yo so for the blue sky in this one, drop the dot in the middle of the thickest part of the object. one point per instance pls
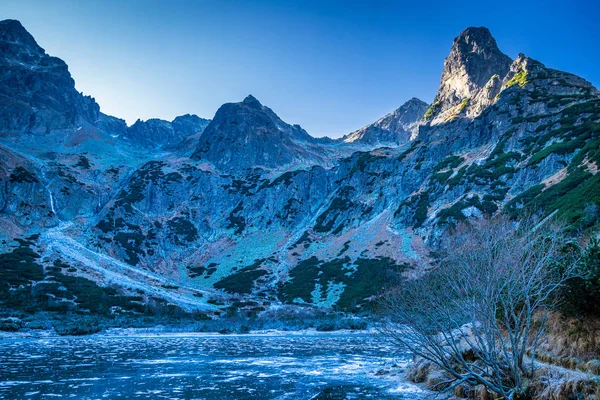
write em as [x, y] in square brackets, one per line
[330, 66]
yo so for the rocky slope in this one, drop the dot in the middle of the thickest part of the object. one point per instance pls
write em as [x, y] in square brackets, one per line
[394, 129]
[264, 212]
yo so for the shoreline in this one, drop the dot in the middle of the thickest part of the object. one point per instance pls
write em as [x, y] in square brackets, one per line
[154, 332]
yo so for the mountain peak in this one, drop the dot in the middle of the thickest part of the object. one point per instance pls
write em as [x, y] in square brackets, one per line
[414, 101]
[473, 60]
[157, 133]
[248, 134]
[12, 25]
[14, 32]
[396, 128]
[476, 35]
[477, 47]
[252, 102]
[38, 92]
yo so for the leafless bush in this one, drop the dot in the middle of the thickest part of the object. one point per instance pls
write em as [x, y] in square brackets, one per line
[477, 314]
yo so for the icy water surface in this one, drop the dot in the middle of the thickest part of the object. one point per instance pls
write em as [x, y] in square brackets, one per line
[287, 366]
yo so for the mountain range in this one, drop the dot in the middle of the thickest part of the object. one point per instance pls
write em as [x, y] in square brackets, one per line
[247, 209]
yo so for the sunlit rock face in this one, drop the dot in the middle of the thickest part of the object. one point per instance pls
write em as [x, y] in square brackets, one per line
[250, 205]
[394, 129]
[474, 64]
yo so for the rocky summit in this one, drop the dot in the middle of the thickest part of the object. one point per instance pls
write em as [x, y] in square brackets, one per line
[248, 209]
[37, 93]
[394, 129]
[475, 65]
[249, 135]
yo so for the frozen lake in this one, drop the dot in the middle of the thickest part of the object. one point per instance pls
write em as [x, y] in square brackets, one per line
[286, 366]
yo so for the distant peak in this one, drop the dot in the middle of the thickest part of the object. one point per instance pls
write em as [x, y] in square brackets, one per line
[12, 24]
[415, 101]
[252, 101]
[12, 30]
[411, 105]
[186, 117]
[393, 129]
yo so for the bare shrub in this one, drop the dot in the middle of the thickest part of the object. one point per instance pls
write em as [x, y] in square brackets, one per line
[477, 314]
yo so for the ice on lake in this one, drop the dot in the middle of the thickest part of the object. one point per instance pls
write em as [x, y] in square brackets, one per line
[283, 366]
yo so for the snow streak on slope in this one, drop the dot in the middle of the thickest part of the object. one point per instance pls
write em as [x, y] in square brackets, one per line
[124, 275]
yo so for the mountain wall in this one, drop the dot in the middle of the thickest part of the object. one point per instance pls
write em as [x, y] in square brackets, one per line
[251, 207]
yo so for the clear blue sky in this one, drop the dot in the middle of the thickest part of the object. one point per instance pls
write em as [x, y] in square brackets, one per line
[330, 66]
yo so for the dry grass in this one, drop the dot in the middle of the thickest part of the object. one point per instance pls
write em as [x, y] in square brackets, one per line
[549, 383]
[568, 361]
[568, 366]
[571, 343]
[561, 384]
[478, 392]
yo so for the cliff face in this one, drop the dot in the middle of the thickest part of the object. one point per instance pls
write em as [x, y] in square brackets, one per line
[265, 211]
[474, 65]
[37, 93]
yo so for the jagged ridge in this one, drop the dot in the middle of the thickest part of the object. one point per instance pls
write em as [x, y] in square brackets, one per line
[255, 207]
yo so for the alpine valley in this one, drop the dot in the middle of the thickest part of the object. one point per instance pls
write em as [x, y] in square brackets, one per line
[248, 212]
